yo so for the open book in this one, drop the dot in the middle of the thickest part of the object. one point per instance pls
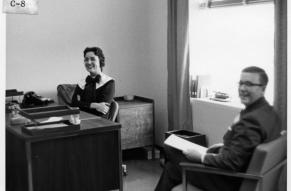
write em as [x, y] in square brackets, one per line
[182, 144]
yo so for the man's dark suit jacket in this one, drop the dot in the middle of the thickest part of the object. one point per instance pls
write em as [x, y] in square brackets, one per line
[256, 124]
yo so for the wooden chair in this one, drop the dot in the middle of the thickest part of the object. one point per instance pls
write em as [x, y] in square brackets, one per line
[262, 174]
[113, 111]
[65, 93]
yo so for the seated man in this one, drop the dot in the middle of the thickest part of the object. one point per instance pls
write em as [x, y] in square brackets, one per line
[256, 124]
[96, 92]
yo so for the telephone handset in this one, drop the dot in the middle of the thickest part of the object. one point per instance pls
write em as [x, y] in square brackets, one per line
[29, 94]
[31, 99]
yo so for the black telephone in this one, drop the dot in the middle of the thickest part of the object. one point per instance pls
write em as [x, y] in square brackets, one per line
[31, 99]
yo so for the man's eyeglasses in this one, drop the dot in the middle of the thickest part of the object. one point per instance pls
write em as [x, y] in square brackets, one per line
[248, 83]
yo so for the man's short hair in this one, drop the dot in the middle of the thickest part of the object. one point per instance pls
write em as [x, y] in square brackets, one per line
[263, 75]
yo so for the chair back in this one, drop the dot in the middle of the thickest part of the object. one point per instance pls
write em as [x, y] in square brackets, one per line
[113, 111]
[65, 93]
[265, 162]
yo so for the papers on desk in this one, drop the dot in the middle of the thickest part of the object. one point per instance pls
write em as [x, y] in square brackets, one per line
[52, 119]
[53, 125]
[48, 126]
[19, 120]
[182, 144]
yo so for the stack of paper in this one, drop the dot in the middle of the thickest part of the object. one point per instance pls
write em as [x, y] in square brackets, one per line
[48, 126]
[52, 119]
[182, 144]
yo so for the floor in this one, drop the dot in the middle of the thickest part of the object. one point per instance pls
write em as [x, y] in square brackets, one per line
[143, 174]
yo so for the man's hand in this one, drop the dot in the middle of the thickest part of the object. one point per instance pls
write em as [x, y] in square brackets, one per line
[193, 155]
[214, 148]
[102, 107]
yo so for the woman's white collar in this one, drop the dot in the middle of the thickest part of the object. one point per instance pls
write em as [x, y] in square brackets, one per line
[103, 80]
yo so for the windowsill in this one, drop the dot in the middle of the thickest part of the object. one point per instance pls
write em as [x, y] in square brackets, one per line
[231, 103]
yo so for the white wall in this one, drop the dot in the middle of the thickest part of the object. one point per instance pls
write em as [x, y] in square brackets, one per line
[45, 50]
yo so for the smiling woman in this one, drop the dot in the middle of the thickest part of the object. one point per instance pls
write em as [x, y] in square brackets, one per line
[96, 92]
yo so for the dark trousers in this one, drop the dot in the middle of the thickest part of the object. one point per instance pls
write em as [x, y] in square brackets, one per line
[172, 175]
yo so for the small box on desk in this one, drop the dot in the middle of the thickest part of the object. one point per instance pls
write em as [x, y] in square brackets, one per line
[190, 136]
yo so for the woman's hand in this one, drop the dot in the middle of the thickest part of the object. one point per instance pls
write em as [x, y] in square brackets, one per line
[102, 107]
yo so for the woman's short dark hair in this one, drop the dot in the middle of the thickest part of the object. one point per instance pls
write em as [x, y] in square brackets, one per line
[98, 52]
[263, 75]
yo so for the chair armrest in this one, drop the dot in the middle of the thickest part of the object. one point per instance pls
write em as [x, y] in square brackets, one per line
[186, 166]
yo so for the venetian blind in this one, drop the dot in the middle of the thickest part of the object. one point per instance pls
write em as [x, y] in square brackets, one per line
[224, 3]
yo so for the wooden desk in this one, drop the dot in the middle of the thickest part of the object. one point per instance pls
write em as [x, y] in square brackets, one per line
[86, 159]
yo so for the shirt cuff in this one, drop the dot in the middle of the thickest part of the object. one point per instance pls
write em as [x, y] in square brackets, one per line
[202, 157]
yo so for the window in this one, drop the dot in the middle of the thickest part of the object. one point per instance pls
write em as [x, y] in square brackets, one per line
[224, 40]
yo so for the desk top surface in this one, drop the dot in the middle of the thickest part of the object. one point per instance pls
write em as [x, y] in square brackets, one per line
[89, 124]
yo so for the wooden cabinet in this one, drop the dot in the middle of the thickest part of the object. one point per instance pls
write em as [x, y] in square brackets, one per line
[137, 121]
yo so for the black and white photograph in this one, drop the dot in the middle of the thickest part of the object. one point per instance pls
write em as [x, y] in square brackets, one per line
[144, 95]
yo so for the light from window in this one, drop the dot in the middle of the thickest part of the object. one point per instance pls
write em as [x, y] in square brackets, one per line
[225, 40]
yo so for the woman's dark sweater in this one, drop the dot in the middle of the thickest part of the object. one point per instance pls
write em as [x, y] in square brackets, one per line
[83, 97]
